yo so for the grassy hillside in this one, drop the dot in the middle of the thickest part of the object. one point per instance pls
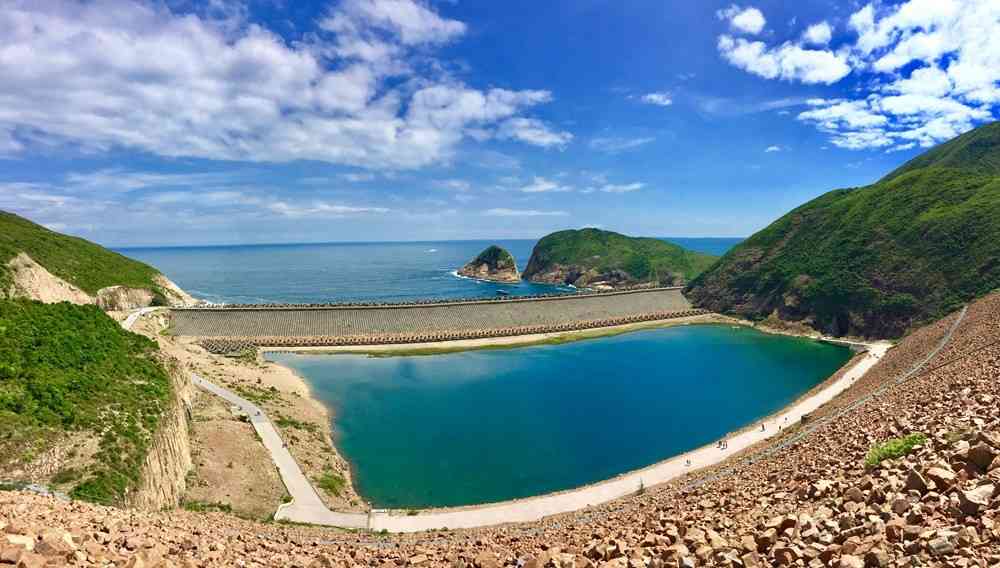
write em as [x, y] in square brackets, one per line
[68, 369]
[84, 264]
[643, 259]
[875, 260]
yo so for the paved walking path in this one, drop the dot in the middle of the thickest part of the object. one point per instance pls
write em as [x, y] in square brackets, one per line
[306, 506]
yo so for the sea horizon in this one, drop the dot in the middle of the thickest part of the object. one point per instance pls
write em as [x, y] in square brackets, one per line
[120, 248]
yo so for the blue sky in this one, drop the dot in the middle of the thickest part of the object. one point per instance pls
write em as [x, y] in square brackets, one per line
[134, 123]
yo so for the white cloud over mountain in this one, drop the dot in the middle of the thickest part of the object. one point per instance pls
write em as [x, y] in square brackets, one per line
[928, 70]
[364, 90]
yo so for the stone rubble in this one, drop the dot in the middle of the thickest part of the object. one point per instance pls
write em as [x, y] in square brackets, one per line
[812, 503]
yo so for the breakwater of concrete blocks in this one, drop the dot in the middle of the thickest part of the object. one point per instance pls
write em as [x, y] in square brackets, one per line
[417, 323]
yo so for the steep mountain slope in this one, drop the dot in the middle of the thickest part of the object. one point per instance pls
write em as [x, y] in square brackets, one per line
[875, 260]
[45, 265]
[592, 257]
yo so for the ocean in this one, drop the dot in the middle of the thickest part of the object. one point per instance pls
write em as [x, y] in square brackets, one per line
[338, 272]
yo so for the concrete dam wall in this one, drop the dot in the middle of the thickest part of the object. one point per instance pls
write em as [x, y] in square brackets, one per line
[406, 319]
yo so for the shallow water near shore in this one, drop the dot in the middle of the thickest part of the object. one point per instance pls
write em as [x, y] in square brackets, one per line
[486, 426]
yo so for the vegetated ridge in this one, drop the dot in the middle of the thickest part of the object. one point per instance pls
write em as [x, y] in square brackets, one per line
[87, 268]
[494, 263]
[877, 260]
[604, 259]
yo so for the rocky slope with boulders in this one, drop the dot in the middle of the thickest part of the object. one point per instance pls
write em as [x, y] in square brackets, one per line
[495, 264]
[805, 499]
[593, 258]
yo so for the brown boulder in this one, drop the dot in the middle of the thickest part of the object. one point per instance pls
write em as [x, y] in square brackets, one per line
[982, 456]
[976, 500]
[943, 478]
[915, 481]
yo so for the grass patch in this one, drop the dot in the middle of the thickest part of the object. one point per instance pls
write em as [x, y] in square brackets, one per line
[67, 368]
[331, 482]
[65, 476]
[258, 395]
[207, 507]
[894, 448]
[286, 422]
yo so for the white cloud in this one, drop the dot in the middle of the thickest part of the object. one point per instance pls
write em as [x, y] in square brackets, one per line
[818, 34]
[503, 212]
[119, 74]
[320, 209]
[119, 180]
[931, 71]
[455, 184]
[357, 177]
[748, 20]
[542, 185]
[659, 99]
[614, 145]
[770, 149]
[533, 131]
[413, 22]
[788, 61]
[622, 188]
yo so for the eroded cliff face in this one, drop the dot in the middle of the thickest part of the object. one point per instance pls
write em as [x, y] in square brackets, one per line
[164, 472]
[122, 299]
[31, 280]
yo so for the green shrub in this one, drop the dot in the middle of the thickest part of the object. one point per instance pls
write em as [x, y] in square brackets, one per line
[331, 482]
[67, 368]
[894, 448]
[205, 506]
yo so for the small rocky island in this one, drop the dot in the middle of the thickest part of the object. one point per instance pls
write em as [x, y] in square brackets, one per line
[494, 264]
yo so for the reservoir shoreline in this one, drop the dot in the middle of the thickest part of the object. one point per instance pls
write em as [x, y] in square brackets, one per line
[824, 391]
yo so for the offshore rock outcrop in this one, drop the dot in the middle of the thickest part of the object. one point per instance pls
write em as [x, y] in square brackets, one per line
[164, 471]
[494, 264]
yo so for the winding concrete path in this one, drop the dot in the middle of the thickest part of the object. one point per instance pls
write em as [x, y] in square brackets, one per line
[307, 507]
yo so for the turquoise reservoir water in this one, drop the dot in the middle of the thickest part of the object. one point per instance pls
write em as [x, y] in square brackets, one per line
[485, 426]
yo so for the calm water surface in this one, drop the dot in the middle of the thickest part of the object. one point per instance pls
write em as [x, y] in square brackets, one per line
[345, 271]
[485, 426]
